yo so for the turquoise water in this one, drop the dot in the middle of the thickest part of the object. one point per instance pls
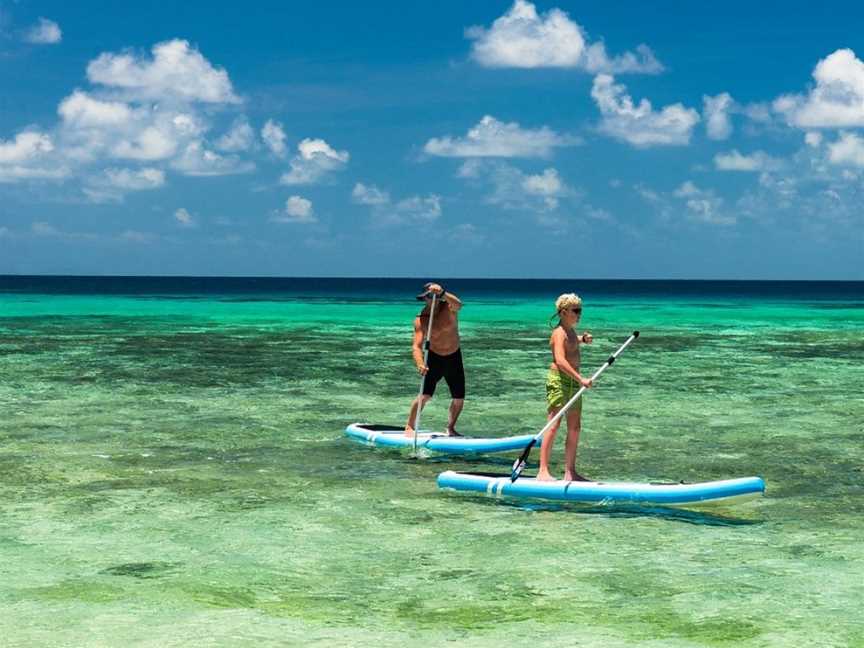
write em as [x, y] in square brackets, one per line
[173, 471]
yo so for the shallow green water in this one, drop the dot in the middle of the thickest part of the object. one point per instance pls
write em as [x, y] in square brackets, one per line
[173, 473]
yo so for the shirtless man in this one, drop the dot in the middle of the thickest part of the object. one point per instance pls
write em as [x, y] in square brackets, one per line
[445, 356]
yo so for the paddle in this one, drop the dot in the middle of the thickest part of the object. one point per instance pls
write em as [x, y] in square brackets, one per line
[423, 377]
[519, 464]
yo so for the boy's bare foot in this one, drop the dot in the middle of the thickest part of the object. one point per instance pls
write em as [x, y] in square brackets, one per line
[544, 476]
[452, 432]
[574, 476]
[409, 431]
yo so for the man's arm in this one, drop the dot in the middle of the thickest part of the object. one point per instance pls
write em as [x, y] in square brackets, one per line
[454, 301]
[417, 345]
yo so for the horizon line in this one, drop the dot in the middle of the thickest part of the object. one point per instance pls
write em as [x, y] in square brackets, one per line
[407, 278]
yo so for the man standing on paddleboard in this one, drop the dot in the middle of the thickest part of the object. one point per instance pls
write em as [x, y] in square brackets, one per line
[445, 356]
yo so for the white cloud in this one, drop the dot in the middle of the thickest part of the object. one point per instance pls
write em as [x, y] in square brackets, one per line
[813, 139]
[547, 185]
[512, 189]
[274, 137]
[640, 125]
[369, 195]
[716, 114]
[837, 100]
[184, 218]
[523, 38]
[686, 190]
[847, 150]
[297, 210]
[197, 160]
[414, 209]
[152, 143]
[703, 205]
[314, 162]
[83, 111]
[143, 109]
[30, 156]
[419, 208]
[736, 161]
[176, 71]
[492, 138]
[26, 146]
[44, 32]
[112, 184]
[241, 137]
[141, 179]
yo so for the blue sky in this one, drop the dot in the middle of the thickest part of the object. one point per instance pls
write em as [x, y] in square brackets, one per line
[484, 139]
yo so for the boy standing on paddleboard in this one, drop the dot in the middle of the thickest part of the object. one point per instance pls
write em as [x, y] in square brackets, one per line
[562, 383]
[445, 356]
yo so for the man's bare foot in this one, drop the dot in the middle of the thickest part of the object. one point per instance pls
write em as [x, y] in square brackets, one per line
[452, 432]
[574, 476]
[544, 476]
[409, 431]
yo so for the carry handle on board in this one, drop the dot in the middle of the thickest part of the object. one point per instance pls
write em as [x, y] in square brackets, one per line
[519, 464]
[423, 377]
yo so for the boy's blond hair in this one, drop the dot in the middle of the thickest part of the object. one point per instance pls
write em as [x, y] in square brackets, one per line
[567, 300]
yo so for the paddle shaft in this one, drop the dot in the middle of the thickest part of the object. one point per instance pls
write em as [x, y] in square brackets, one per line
[423, 377]
[520, 462]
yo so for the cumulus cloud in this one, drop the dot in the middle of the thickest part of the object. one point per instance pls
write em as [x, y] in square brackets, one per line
[813, 139]
[420, 208]
[736, 161]
[315, 160]
[640, 125]
[837, 99]
[184, 218]
[196, 159]
[113, 183]
[716, 114]
[493, 138]
[28, 157]
[522, 38]
[369, 195]
[274, 137]
[26, 145]
[156, 110]
[240, 138]
[703, 205]
[176, 71]
[414, 209]
[297, 210]
[44, 32]
[546, 185]
[848, 150]
[511, 188]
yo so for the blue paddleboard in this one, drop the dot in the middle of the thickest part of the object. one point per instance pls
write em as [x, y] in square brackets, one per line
[725, 491]
[390, 436]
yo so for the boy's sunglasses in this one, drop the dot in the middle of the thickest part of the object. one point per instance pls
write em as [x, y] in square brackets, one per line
[575, 311]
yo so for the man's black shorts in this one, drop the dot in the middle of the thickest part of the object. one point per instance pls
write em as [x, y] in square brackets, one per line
[448, 367]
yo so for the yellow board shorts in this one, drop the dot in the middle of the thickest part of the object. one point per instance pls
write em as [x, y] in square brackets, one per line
[560, 388]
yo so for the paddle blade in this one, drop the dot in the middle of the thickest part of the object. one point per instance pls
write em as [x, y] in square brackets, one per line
[519, 464]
